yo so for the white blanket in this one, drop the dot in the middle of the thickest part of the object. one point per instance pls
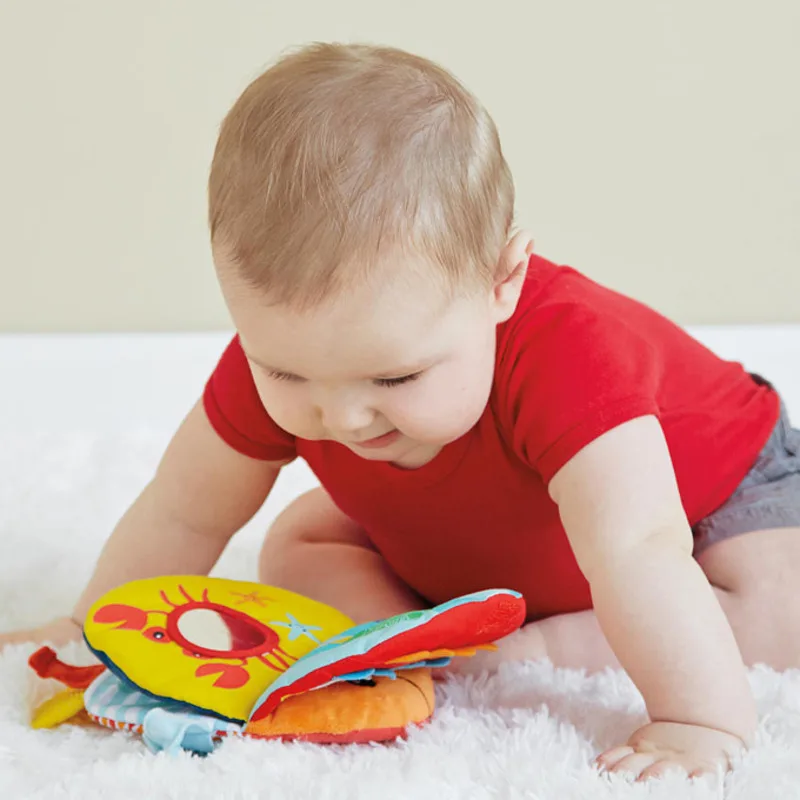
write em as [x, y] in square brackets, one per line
[83, 421]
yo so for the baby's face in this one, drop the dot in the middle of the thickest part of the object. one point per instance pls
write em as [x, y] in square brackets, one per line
[393, 372]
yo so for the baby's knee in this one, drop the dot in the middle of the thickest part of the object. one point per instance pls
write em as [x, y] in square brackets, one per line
[315, 550]
[303, 528]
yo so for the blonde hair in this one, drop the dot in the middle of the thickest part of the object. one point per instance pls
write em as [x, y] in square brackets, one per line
[340, 154]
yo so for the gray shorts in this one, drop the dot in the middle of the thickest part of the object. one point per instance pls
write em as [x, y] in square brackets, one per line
[768, 497]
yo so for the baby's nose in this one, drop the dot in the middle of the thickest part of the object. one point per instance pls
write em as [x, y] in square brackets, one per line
[346, 416]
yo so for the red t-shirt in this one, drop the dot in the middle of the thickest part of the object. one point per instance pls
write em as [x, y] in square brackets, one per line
[575, 360]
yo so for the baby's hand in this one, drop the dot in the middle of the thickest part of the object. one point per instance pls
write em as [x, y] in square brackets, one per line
[660, 747]
[58, 632]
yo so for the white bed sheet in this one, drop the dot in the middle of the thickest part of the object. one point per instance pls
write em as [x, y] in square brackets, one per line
[83, 421]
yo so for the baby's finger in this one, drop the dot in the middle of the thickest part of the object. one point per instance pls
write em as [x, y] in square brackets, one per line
[660, 769]
[634, 764]
[611, 757]
[709, 768]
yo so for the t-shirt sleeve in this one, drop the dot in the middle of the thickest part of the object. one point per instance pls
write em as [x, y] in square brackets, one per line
[237, 414]
[569, 375]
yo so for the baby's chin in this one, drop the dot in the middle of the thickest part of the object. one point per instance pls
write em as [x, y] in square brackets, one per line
[403, 452]
[409, 453]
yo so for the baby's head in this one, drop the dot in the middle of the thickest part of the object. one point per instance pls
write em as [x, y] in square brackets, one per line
[360, 213]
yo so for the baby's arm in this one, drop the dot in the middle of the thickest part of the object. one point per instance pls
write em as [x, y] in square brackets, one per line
[202, 493]
[622, 511]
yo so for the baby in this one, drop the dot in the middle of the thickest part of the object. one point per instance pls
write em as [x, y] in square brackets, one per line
[477, 415]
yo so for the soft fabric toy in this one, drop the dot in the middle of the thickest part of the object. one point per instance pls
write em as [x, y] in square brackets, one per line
[188, 661]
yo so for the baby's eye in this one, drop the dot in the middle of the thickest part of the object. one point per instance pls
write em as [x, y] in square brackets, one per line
[397, 381]
[284, 376]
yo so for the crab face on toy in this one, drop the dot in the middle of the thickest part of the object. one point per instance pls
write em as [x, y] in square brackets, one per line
[217, 643]
[205, 630]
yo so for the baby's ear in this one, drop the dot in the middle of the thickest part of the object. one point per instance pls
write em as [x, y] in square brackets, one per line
[511, 270]
[517, 250]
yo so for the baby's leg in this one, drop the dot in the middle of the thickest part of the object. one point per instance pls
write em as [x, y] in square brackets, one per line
[316, 550]
[754, 577]
[758, 576]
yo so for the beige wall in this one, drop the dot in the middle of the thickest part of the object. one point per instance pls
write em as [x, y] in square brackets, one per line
[656, 145]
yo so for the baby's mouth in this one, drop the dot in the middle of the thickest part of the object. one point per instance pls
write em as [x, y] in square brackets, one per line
[378, 441]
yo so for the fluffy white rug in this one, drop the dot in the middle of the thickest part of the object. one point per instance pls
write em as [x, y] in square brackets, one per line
[528, 732]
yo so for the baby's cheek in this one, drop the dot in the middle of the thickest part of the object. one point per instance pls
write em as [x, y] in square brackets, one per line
[442, 413]
[292, 416]
[463, 400]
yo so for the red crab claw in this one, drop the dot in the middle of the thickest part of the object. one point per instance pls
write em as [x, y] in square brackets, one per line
[46, 664]
[230, 676]
[128, 617]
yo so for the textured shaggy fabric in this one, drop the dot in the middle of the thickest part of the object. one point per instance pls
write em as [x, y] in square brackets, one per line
[528, 732]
